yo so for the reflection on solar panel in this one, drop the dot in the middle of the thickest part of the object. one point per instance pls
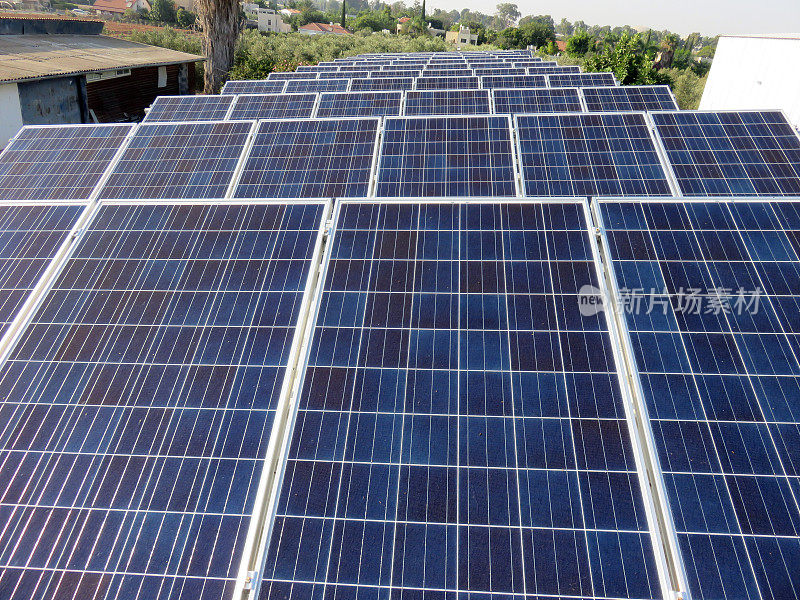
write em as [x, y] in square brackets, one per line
[189, 108]
[446, 156]
[273, 106]
[482, 72]
[514, 81]
[310, 159]
[62, 162]
[540, 100]
[447, 83]
[718, 366]
[318, 85]
[253, 87]
[157, 358]
[581, 79]
[539, 70]
[460, 427]
[629, 97]
[362, 104]
[589, 155]
[731, 153]
[178, 160]
[286, 76]
[448, 102]
[30, 236]
[378, 84]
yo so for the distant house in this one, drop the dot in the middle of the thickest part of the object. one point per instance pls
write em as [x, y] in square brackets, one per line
[318, 28]
[462, 36]
[289, 12]
[270, 21]
[118, 7]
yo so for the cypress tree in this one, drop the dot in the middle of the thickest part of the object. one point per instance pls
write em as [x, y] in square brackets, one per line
[344, 13]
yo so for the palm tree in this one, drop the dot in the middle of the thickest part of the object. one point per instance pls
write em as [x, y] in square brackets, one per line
[220, 22]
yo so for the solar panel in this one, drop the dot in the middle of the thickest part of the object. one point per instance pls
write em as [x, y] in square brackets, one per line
[139, 401]
[30, 236]
[446, 156]
[447, 73]
[351, 74]
[589, 155]
[536, 100]
[581, 79]
[754, 153]
[513, 81]
[397, 73]
[482, 72]
[448, 102]
[253, 87]
[539, 70]
[378, 84]
[359, 68]
[178, 160]
[273, 106]
[361, 104]
[460, 425]
[629, 97]
[63, 162]
[289, 75]
[310, 159]
[188, 108]
[715, 345]
[320, 68]
[318, 85]
[447, 83]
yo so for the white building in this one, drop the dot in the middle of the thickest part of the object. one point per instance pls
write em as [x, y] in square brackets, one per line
[755, 72]
[462, 36]
[269, 20]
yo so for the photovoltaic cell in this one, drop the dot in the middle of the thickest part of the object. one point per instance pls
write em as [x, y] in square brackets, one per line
[178, 160]
[362, 73]
[359, 104]
[589, 155]
[289, 75]
[447, 83]
[447, 72]
[540, 70]
[310, 159]
[398, 73]
[253, 87]
[379, 84]
[481, 72]
[460, 427]
[748, 153]
[318, 85]
[514, 81]
[629, 97]
[581, 79]
[446, 156]
[188, 108]
[717, 358]
[448, 102]
[138, 403]
[536, 100]
[273, 106]
[58, 163]
[30, 236]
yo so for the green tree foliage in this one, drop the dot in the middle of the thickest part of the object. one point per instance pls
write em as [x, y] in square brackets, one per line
[163, 11]
[536, 32]
[375, 21]
[415, 27]
[687, 87]
[580, 43]
[185, 18]
[343, 21]
[507, 14]
[627, 61]
[565, 28]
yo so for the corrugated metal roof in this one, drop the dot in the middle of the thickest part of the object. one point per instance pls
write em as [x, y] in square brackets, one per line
[24, 57]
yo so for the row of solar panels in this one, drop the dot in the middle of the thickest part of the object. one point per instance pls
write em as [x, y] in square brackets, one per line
[470, 56]
[460, 416]
[422, 102]
[329, 72]
[356, 82]
[702, 153]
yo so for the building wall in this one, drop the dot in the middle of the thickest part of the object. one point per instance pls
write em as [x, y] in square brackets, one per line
[755, 73]
[53, 101]
[10, 112]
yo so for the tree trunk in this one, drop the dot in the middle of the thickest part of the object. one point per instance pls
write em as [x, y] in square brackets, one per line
[220, 22]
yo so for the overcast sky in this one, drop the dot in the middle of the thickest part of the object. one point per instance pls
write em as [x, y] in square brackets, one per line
[710, 17]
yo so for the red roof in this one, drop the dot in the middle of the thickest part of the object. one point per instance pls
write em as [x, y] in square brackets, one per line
[403, 19]
[562, 46]
[325, 28]
[116, 6]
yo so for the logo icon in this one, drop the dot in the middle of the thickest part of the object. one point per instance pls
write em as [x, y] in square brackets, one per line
[590, 300]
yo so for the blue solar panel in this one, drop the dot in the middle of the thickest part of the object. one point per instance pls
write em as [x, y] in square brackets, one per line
[318, 85]
[581, 79]
[58, 163]
[359, 104]
[379, 84]
[487, 71]
[253, 87]
[189, 108]
[536, 100]
[287, 76]
[446, 156]
[465, 72]
[714, 340]
[310, 159]
[273, 106]
[448, 102]
[178, 160]
[139, 401]
[589, 155]
[514, 81]
[629, 97]
[748, 153]
[398, 73]
[543, 70]
[460, 428]
[30, 236]
[448, 83]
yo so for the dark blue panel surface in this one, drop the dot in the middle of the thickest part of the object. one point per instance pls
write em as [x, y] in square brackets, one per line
[253, 87]
[448, 83]
[629, 97]
[359, 104]
[319, 85]
[581, 79]
[273, 106]
[536, 100]
[138, 402]
[188, 108]
[460, 431]
[448, 102]
[514, 81]
[553, 70]
[375, 84]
